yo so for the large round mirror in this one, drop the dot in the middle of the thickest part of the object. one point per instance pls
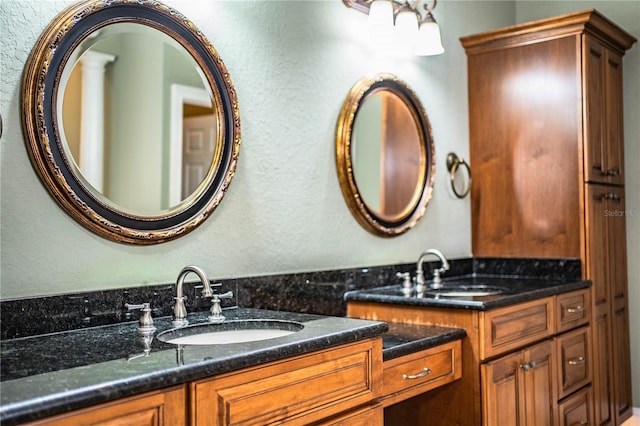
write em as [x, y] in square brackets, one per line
[130, 119]
[384, 155]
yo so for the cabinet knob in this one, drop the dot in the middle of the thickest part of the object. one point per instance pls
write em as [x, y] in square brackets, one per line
[575, 310]
[576, 361]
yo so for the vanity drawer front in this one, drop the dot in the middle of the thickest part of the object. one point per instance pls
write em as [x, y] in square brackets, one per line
[513, 327]
[413, 374]
[574, 368]
[297, 390]
[577, 409]
[572, 309]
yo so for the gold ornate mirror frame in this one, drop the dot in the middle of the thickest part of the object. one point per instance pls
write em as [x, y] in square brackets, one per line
[42, 130]
[370, 218]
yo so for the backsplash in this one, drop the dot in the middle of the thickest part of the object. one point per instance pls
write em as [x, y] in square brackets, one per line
[313, 292]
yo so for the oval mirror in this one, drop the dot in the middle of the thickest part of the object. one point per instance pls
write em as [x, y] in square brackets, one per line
[130, 119]
[385, 155]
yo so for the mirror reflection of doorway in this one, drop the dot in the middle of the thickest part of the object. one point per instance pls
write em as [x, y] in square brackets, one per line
[194, 135]
[198, 146]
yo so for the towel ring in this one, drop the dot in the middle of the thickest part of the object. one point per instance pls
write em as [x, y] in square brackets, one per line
[453, 162]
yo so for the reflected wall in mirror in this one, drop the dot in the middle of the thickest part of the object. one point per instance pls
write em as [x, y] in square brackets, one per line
[385, 155]
[130, 119]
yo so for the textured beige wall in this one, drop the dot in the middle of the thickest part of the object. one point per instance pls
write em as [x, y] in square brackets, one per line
[292, 64]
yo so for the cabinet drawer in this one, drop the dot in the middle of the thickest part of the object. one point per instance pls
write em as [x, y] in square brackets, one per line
[574, 366]
[513, 327]
[419, 372]
[297, 390]
[577, 409]
[572, 309]
[372, 415]
[165, 407]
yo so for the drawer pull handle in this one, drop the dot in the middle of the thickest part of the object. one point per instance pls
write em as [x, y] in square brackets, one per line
[423, 373]
[575, 310]
[576, 361]
[584, 423]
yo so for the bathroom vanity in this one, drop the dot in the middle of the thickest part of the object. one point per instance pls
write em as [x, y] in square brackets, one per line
[525, 358]
[328, 372]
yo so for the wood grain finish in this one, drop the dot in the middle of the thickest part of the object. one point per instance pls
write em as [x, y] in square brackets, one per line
[461, 402]
[523, 150]
[577, 409]
[573, 310]
[297, 390]
[574, 361]
[542, 150]
[160, 408]
[444, 364]
[519, 388]
[515, 326]
[370, 415]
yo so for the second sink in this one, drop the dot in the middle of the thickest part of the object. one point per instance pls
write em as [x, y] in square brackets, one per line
[238, 331]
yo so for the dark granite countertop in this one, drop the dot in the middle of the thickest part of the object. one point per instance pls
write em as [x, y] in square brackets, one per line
[54, 373]
[513, 290]
[404, 339]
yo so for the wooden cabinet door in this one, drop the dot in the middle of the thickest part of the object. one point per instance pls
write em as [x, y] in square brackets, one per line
[539, 384]
[606, 267]
[603, 110]
[519, 388]
[164, 407]
[501, 396]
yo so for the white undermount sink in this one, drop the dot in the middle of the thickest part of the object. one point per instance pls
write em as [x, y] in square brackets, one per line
[236, 331]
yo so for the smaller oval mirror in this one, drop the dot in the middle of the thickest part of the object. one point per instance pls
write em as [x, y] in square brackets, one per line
[385, 155]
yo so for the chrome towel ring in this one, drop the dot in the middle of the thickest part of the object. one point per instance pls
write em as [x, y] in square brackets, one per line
[453, 163]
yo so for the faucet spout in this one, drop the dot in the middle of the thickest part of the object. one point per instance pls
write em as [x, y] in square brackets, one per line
[179, 309]
[437, 281]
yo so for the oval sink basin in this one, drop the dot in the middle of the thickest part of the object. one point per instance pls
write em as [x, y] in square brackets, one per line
[236, 331]
[465, 291]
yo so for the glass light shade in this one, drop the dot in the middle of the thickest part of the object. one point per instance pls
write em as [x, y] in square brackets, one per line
[407, 28]
[429, 41]
[380, 19]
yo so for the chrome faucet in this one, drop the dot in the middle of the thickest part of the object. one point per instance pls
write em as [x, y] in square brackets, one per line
[437, 281]
[179, 309]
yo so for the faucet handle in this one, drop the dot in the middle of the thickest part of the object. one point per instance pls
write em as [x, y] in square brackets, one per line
[407, 286]
[216, 309]
[145, 324]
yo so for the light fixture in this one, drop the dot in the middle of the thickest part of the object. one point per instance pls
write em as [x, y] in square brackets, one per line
[429, 41]
[412, 30]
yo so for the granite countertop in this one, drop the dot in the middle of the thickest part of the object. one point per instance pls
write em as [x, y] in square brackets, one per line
[54, 373]
[513, 290]
[403, 339]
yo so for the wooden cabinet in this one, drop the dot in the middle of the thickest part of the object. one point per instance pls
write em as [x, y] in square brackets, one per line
[574, 358]
[417, 373]
[519, 388]
[165, 407]
[515, 326]
[298, 390]
[548, 162]
[520, 363]
[336, 386]
[604, 158]
[577, 410]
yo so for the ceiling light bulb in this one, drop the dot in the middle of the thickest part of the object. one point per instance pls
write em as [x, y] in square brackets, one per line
[380, 20]
[429, 40]
[407, 26]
